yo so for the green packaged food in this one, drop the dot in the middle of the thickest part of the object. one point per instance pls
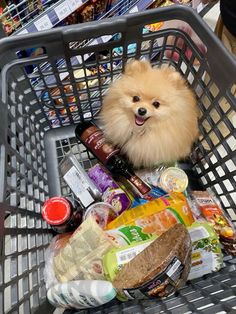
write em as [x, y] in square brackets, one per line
[206, 250]
[127, 234]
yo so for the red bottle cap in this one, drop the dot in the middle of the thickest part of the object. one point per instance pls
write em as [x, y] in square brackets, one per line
[56, 210]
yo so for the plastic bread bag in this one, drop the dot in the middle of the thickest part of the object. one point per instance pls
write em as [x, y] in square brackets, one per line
[57, 243]
[81, 257]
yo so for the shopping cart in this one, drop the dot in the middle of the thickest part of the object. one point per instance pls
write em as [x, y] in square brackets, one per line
[36, 134]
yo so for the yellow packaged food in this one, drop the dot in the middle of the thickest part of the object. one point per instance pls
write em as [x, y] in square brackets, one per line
[157, 216]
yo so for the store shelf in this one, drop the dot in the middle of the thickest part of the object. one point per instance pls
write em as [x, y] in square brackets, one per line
[123, 7]
[51, 16]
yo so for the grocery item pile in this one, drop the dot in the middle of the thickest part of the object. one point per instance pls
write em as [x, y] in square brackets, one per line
[127, 234]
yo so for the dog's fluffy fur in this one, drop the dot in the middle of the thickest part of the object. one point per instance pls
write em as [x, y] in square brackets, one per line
[169, 127]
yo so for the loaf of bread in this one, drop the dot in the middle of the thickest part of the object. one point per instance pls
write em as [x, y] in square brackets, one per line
[159, 269]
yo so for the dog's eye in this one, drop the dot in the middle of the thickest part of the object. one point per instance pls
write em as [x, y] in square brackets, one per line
[136, 98]
[156, 104]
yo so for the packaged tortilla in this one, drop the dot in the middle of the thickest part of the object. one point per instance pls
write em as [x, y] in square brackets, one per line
[81, 257]
[156, 216]
[206, 250]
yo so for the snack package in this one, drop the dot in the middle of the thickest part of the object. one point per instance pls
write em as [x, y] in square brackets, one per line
[206, 250]
[156, 216]
[81, 257]
[160, 269]
[212, 212]
[112, 192]
[152, 195]
[127, 235]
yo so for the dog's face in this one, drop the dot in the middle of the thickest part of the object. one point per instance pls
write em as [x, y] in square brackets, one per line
[145, 95]
[151, 114]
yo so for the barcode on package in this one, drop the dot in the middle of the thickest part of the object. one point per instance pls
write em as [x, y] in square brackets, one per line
[125, 256]
[173, 269]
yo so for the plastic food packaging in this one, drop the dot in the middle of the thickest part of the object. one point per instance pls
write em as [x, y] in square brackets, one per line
[81, 257]
[151, 176]
[173, 179]
[206, 250]
[78, 181]
[127, 235]
[81, 294]
[57, 243]
[212, 212]
[112, 193]
[152, 195]
[160, 269]
[103, 213]
[116, 258]
[157, 216]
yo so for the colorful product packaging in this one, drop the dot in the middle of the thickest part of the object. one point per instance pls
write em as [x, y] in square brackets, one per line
[206, 250]
[157, 216]
[152, 195]
[127, 235]
[112, 193]
[212, 212]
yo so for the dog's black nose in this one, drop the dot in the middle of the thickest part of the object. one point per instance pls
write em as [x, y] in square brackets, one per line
[142, 111]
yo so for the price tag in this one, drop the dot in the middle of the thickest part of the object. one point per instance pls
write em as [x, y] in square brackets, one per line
[24, 31]
[74, 4]
[62, 10]
[134, 9]
[43, 23]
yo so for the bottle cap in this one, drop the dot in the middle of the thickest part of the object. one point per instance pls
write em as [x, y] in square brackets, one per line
[56, 210]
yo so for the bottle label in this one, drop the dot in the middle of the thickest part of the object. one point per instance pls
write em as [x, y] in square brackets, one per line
[141, 186]
[94, 139]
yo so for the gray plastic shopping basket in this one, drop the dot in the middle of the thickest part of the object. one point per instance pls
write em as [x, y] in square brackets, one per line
[36, 132]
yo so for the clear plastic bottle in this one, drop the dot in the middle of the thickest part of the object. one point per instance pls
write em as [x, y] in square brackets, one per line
[81, 294]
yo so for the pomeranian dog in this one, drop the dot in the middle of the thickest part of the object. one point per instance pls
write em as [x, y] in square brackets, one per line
[150, 114]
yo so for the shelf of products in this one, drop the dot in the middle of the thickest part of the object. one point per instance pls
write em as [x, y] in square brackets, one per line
[38, 15]
[26, 16]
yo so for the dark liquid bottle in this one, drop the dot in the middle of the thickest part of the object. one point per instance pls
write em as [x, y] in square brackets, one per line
[93, 138]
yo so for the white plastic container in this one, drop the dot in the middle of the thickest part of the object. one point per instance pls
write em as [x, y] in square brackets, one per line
[81, 294]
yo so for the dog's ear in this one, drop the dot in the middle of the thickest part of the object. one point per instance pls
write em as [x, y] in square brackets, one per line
[134, 67]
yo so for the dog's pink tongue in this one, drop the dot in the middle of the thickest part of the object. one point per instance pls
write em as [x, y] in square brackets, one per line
[139, 121]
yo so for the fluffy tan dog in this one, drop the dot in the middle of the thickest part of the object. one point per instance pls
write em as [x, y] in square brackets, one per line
[151, 114]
